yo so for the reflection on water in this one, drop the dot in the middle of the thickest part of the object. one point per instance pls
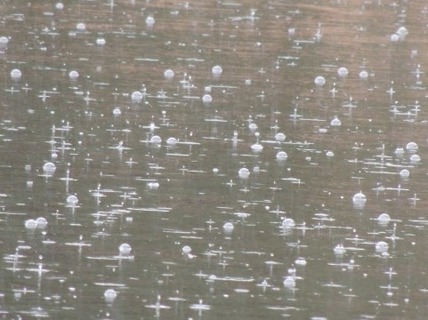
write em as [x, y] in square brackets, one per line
[207, 159]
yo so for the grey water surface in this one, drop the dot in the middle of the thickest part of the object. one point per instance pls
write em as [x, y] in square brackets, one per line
[213, 159]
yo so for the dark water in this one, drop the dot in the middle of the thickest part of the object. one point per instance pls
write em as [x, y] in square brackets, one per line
[103, 132]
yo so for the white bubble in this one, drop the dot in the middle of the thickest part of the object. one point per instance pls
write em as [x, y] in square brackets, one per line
[186, 250]
[280, 137]
[16, 74]
[329, 154]
[339, 250]
[153, 185]
[136, 96]
[150, 21]
[168, 74]
[59, 6]
[156, 140]
[383, 219]
[363, 75]
[81, 26]
[207, 98]
[335, 122]
[402, 32]
[288, 223]
[243, 173]
[359, 200]
[412, 147]
[73, 75]
[319, 81]
[415, 158]
[404, 173]
[281, 156]
[342, 72]
[117, 111]
[171, 141]
[49, 168]
[256, 147]
[381, 246]
[125, 248]
[110, 295]
[252, 126]
[394, 37]
[41, 222]
[31, 224]
[101, 41]
[217, 70]
[228, 227]
[289, 282]
[72, 200]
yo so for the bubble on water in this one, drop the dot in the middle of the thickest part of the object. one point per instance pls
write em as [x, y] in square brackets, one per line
[359, 200]
[168, 74]
[339, 250]
[319, 81]
[125, 248]
[288, 223]
[281, 156]
[41, 222]
[280, 137]
[412, 147]
[117, 111]
[101, 41]
[394, 37]
[153, 185]
[110, 295]
[256, 147]
[415, 158]
[186, 250]
[136, 96]
[402, 32]
[383, 219]
[171, 141]
[30, 224]
[381, 247]
[399, 151]
[16, 74]
[243, 173]
[155, 140]
[49, 168]
[329, 154]
[335, 122]
[150, 21]
[72, 200]
[342, 72]
[207, 98]
[4, 41]
[300, 261]
[363, 75]
[217, 70]
[404, 173]
[81, 26]
[252, 126]
[73, 75]
[289, 282]
[59, 6]
[228, 227]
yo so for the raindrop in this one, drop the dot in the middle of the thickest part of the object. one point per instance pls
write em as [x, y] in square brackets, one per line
[243, 173]
[117, 111]
[4, 41]
[31, 224]
[319, 81]
[168, 74]
[136, 96]
[16, 74]
[342, 72]
[281, 156]
[256, 147]
[73, 75]
[125, 248]
[217, 71]
[402, 33]
[252, 126]
[415, 158]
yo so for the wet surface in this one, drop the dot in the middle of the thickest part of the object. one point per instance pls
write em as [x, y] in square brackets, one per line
[213, 160]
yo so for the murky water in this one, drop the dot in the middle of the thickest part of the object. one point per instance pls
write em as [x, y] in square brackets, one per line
[210, 160]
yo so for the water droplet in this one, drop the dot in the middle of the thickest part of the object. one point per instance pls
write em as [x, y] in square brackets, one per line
[319, 81]
[110, 295]
[49, 168]
[73, 75]
[59, 6]
[342, 72]
[335, 122]
[217, 71]
[228, 227]
[280, 137]
[125, 248]
[16, 74]
[412, 147]
[383, 219]
[171, 141]
[363, 75]
[281, 156]
[381, 247]
[72, 201]
[117, 111]
[150, 21]
[288, 223]
[289, 282]
[359, 200]
[168, 74]
[31, 224]
[186, 250]
[81, 26]
[156, 140]
[207, 98]
[41, 222]
[136, 96]
[243, 173]
[101, 41]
